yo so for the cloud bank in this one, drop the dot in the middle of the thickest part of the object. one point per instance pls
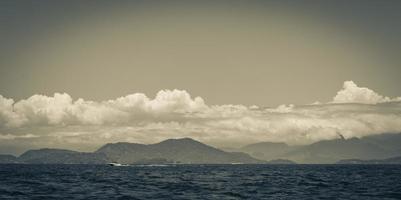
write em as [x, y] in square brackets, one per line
[59, 120]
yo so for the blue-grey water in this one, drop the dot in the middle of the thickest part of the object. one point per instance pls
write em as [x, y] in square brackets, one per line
[200, 182]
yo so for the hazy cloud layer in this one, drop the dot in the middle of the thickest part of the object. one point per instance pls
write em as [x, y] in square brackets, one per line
[60, 121]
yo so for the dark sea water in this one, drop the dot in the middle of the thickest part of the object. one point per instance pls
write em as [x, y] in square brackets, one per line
[200, 182]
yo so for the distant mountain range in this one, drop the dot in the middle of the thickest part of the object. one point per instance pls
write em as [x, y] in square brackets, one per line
[367, 150]
[266, 150]
[388, 161]
[329, 151]
[61, 156]
[8, 159]
[184, 151]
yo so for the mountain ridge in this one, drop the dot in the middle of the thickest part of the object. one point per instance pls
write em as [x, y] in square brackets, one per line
[330, 151]
[184, 151]
[190, 151]
[387, 161]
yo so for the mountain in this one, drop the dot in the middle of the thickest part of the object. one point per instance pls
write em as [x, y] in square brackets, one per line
[330, 151]
[7, 159]
[61, 156]
[333, 150]
[393, 161]
[267, 150]
[388, 142]
[281, 162]
[184, 150]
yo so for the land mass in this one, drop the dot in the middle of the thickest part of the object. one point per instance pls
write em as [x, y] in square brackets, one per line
[388, 161]
[329, 151]
[381, 149]
[179, 151]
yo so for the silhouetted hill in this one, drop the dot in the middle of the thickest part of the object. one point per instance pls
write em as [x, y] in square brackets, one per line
[388, 142]
[61, 156]
[7, 159]
[281, 162]
[388, 161]
[187, 150]
[330, 151]
[267, 150]
[184, 150]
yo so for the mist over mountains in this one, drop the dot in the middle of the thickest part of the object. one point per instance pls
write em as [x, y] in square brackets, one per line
[329, 151]
[387, 161]
[60, 121]
[189, 151]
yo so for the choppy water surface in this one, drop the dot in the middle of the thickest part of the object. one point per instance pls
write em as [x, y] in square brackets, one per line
[201, 182]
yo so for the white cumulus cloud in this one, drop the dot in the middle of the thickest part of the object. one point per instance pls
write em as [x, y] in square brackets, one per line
[351, 93]
[60, 109]
[60, 121]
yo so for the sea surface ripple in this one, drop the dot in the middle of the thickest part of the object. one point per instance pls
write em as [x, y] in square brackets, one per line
[21, 181]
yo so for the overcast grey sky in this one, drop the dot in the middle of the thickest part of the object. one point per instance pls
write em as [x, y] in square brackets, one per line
[227, 73]
[241, 52]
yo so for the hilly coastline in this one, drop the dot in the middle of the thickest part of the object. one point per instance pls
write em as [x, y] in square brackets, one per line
[383, 149]
[329, 151]
[388, 161]
[179, 151]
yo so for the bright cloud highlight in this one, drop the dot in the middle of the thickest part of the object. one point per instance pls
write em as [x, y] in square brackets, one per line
[59, 120]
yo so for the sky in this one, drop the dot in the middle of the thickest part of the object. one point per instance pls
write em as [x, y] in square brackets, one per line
[78, 74]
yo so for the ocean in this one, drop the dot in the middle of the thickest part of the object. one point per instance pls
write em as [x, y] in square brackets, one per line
[23, 181]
